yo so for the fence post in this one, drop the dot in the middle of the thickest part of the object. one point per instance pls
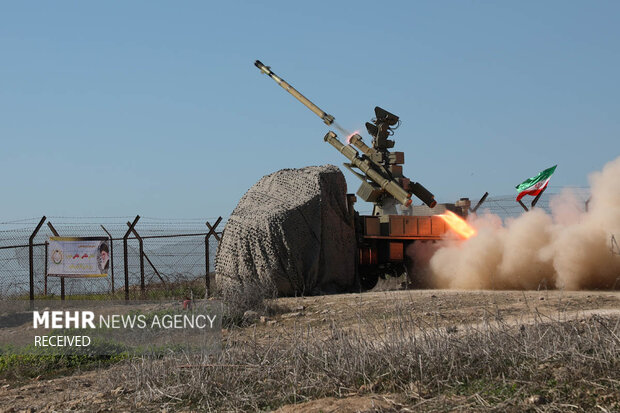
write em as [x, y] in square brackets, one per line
[111, 258]
[62, 279]
[141, 244]
[46, 251]
[146, 257]
[126, 259]
[207, 264]
[31, 258]
[484, 198]
[207, 281]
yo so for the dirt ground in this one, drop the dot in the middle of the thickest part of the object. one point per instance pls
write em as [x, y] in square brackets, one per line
[110, 390]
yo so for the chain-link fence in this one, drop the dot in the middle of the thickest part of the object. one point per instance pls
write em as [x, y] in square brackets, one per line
[161, 255]
[506, 206]
[173, 252]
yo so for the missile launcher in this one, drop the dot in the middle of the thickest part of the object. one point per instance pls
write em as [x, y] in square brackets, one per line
[383, 237]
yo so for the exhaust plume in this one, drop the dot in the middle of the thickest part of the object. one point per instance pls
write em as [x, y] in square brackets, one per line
[567, 249]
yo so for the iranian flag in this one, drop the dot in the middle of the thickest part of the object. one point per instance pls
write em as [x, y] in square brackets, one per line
[536, 184]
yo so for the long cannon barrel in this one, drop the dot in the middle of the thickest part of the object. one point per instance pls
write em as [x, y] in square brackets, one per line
[328, 119]
[388, 185]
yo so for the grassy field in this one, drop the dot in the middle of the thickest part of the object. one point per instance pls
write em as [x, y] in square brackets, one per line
[392, 351]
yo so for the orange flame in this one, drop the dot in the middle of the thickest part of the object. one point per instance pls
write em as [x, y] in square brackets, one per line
[458, 225]
[351, 135]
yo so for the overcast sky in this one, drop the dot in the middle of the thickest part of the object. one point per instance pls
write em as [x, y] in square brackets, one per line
[155, 108]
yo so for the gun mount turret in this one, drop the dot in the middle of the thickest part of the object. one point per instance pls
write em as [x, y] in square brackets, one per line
[383, 183]
[388, 165]
[382, 237]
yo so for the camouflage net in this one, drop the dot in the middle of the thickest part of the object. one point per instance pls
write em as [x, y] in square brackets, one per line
[290, 232]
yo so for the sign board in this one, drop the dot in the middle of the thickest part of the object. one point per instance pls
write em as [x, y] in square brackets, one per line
[78, 257]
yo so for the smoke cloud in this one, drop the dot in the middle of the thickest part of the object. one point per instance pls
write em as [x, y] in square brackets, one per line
[567, 249]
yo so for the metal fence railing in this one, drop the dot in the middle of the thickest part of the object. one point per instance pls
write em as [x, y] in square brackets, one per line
[160, 254]
[506, 206]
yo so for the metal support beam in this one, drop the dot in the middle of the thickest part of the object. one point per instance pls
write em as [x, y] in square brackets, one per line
[111, 258]
[31, 258]
[126, 259]
[484, 198]
[46, 252]
[62, 279]
[212, 229]
[154, 269]
[141, 251]
[51, 227]
[143, 254]
[207, 264]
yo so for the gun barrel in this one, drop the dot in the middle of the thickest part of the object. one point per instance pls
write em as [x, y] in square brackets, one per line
[388, 185]
[328, 119]
[356, 140]
[414, 187]
[424, 194]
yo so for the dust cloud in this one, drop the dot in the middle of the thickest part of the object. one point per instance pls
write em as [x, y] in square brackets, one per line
[567, 249]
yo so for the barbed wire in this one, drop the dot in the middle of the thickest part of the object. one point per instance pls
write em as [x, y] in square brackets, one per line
[506, 206]
[176, 249]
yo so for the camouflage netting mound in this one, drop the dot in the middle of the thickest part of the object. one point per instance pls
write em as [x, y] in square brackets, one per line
[290, 232]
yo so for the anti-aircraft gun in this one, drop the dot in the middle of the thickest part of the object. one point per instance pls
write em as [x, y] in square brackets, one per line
[382, 178]
[383, 237]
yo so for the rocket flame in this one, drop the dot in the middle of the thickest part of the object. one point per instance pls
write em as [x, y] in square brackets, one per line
[458, 225]
[351, 135]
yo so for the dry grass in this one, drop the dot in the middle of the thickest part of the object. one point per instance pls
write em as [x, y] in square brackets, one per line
[246, 296]
[542, 364]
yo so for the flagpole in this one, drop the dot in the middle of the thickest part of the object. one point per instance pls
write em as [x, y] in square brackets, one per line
[535, 201]
[531, 185]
